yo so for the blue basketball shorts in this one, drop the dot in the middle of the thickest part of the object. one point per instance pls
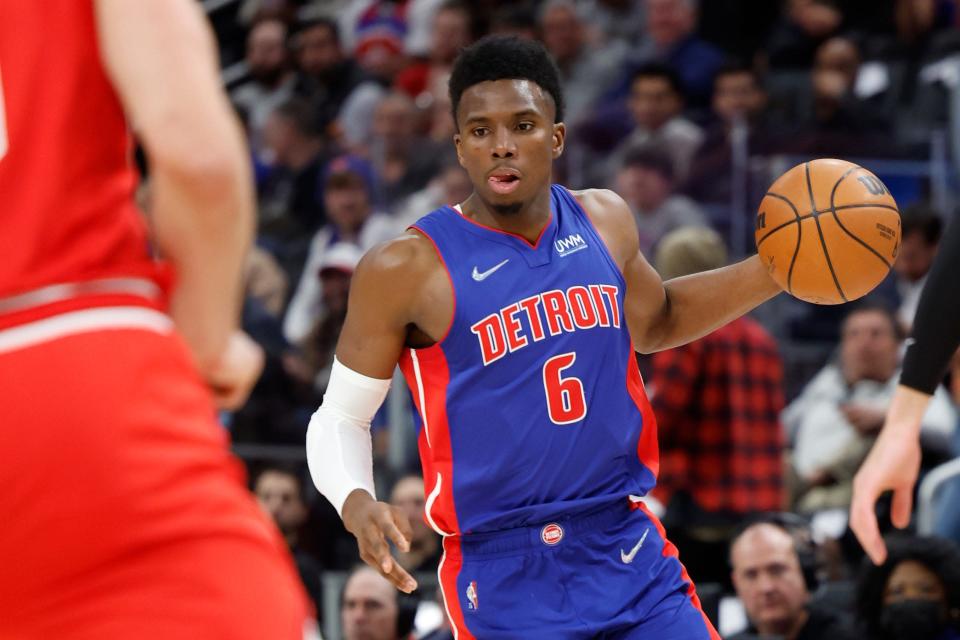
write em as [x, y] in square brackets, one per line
[610, 573]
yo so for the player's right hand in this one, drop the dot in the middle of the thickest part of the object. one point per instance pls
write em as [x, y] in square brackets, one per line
[373, 523]
[232, 376]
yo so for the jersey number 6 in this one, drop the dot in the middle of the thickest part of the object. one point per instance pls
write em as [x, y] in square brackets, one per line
[565, 400]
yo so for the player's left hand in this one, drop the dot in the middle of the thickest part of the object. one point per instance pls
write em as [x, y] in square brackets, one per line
[892, 465]
[235, 372]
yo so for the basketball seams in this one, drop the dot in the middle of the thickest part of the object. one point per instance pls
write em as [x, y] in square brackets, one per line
[823, 242]
[833, 211]
[842, 207]
[796, 249]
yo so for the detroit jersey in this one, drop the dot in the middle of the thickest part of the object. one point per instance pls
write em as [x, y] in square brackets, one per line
[531, 406]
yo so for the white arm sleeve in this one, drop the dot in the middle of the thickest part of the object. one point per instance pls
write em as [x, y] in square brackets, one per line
[339, 450]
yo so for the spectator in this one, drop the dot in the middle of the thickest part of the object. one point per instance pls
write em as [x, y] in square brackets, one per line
[718, 402]
[371, 608]
[656, 107]
[739, 99]
[835, 111]
[265, 281]
[271, 82]
[769, 577]
[426, 81]
[378, 44]
[290, 200]
[326, 77]
[336, 270]
[672, 39]
[279, 491]
[404, 161]
[451, 186]
[646, 181]
[915, 593]
[348, 186]
[919, 239]
[804, 26]
[833, 422]
[425, 549]
[615, 21]
[586, 68]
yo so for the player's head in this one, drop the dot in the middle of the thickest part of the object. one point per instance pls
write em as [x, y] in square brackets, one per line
[768, 575]
[508, 110]
[279, 490]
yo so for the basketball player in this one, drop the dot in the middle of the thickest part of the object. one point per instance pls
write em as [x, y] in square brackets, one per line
[124, 514]
[894, 461]
[514, 317]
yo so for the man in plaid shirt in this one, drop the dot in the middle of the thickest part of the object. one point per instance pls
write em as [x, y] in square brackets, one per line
[718, 402]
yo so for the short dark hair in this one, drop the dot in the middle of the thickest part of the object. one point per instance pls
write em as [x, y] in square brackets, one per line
[662, 71]
[286, 469]
[735, 67]
[302, 115]
[651, 157]
[939, 555]
[505, 58]
[922, 219]
[312, 23]
[876, 305]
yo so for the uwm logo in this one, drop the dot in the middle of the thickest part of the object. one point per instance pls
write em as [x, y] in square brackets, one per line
[546, 314]
[571, 244]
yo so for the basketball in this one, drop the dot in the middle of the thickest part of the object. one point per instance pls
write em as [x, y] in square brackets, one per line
[828, 231]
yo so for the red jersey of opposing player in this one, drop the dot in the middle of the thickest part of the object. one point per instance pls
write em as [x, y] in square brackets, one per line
[65, 156]
[125, 514]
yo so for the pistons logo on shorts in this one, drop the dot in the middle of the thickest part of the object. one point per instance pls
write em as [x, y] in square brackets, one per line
[551, 534]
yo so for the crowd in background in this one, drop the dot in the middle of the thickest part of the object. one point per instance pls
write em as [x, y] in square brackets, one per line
[688, 110]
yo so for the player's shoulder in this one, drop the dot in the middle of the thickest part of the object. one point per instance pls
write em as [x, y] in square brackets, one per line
[409, 255]
[612, 218]
[603, 205]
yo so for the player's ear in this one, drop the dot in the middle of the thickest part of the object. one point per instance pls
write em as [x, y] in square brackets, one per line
[559, 135]
[458, 144]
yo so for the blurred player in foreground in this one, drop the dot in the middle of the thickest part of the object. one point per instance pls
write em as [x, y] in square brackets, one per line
[894, 461]
[126, 516]
[514, 317]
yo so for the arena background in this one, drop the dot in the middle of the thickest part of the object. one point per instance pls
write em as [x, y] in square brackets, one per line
[689, 111]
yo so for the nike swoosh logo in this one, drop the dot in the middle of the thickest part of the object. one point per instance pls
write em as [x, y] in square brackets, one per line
[627, 558]
[480, 277]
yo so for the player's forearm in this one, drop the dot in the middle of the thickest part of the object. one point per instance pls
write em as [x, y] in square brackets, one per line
[936, 327]
[906, 413]
[697, 304]
[204, 225]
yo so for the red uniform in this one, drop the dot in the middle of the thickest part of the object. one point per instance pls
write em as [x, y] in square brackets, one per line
[124, 514]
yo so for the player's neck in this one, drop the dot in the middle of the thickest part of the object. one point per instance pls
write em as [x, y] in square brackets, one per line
[527, 223]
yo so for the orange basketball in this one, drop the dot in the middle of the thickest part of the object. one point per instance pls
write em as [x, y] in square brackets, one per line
[828, 231]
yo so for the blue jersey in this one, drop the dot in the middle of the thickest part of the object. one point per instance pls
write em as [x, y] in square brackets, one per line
[531, 407]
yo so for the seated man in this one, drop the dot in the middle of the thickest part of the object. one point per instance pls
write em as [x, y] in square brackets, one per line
[767, 560]
[834, 421]
[371, 609]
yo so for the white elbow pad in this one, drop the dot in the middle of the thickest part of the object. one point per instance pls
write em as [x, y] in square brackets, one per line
[339, 449]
